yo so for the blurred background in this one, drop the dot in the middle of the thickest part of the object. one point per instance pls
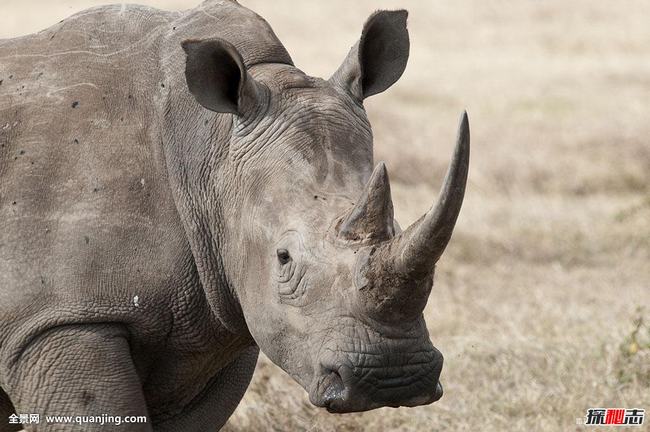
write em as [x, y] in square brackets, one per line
[541, 304]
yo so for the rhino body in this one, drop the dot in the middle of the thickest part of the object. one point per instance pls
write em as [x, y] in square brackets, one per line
[139, 197]
[92, 217]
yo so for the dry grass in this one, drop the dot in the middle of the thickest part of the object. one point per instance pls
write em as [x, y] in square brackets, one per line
[535, 303]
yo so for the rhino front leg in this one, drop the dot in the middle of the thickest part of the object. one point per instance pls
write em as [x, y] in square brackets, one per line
[78, 371]
[212, 410]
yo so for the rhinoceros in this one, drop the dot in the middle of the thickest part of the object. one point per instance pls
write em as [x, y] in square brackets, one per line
[176, 195]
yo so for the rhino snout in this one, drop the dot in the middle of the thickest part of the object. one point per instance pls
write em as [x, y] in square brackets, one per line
[376, 380]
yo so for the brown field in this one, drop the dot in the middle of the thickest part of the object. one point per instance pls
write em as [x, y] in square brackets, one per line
[548, 273]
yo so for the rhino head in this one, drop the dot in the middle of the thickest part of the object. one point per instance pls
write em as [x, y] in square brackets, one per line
[330, 287]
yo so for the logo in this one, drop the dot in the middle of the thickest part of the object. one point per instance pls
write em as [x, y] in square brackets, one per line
[24, 419]
[613, 417]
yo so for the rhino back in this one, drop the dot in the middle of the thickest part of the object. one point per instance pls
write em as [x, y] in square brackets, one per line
[87, 215]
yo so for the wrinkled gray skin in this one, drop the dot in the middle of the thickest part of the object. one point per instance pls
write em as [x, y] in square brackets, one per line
[174, 194]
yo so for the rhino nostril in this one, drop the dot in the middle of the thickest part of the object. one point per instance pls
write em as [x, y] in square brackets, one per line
[333, 389]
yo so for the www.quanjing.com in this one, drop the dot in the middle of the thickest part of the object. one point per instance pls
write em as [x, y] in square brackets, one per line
[104, 419]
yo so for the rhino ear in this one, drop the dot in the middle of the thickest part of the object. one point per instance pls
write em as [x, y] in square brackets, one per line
[216, 75]
[378, 60]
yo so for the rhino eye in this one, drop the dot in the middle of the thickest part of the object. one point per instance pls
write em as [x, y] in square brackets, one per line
[283, 256]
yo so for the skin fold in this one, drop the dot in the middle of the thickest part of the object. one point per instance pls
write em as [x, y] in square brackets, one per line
[176, 195]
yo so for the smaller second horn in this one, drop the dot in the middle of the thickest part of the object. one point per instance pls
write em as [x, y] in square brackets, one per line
[372, 216]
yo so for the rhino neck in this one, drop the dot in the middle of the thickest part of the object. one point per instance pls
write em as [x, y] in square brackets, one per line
[195, 144]
[192, 144]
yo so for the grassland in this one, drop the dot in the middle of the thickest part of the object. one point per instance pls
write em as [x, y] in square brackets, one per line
[548, 274]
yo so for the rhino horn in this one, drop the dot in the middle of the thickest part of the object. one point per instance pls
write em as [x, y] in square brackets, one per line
[372, 216]
[419, 247]
[395, 277]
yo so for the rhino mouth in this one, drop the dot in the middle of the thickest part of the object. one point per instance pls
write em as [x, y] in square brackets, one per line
[345, 387]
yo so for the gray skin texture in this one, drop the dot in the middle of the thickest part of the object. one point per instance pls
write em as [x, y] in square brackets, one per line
[174, 196]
